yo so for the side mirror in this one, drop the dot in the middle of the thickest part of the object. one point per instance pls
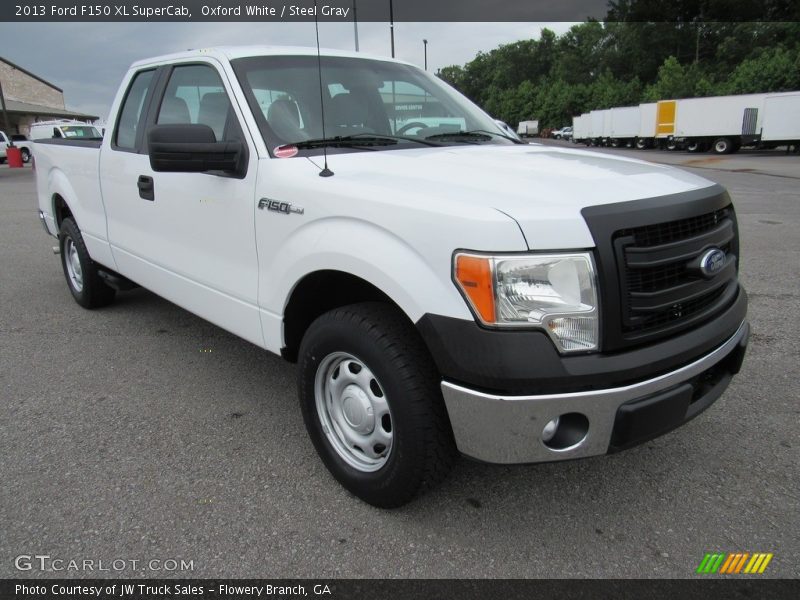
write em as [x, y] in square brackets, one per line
[193, 149]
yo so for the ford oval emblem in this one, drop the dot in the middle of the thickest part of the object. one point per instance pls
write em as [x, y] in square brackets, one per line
[712, 262]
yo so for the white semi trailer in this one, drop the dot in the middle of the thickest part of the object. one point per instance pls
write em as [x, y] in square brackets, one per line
[596, 124]
[647, 125]
[580, 128]
[781, 123]
[624, 126]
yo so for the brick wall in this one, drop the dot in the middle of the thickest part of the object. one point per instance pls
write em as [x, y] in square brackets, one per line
[24, 88]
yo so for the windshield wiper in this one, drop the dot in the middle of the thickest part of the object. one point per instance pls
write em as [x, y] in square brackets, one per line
[474, 134]
[359, 140]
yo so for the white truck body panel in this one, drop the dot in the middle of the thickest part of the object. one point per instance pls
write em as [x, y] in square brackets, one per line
[716, 116]
[597, 120]
[625, 122]
[580, 127]
[647, 120]
[529, 128]
[607, 123]
[781, 121]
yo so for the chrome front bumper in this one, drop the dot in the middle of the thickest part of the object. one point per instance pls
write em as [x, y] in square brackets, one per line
[508, 429]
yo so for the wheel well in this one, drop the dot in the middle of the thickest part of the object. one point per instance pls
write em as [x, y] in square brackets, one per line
[60, 210]
[318, 293]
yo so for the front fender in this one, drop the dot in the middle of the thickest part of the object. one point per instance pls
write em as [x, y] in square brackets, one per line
[417, 284]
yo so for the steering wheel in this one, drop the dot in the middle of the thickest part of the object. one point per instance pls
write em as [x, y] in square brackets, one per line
[412, 125]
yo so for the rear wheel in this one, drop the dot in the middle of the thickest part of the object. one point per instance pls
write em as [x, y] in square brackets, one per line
[26, 155]
[672, 145]
[86, 286]
[372, 404]
[641, 143]
[722, 146]
[695, 146]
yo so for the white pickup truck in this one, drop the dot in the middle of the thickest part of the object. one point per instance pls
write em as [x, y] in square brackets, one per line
[25, 148]
[444, 289]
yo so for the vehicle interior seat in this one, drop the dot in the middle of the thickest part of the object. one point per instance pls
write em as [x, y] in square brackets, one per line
[214, 111]
[174, 111]
[349, 113]
[283, 117]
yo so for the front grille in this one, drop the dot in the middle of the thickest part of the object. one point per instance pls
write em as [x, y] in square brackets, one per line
[662, 287]
[664, 233]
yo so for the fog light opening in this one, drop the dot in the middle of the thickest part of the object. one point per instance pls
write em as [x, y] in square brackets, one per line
[565, 431]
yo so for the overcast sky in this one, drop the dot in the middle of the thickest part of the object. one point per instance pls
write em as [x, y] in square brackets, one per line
[88, 60]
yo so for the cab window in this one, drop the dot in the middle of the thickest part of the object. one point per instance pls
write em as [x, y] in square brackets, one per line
[195, 95]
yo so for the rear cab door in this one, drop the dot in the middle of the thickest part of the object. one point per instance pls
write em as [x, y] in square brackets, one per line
[189, 237]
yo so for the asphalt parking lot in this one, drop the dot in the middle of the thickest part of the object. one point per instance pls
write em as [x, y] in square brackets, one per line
[140, 432]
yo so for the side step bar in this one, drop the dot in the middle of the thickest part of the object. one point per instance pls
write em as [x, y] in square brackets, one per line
[116, 281]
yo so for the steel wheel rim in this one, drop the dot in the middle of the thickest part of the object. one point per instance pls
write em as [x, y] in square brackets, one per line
[354, 412]
[73, 262]
[721, 147]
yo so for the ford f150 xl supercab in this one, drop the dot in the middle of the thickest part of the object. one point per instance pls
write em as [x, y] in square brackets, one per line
[444, 288]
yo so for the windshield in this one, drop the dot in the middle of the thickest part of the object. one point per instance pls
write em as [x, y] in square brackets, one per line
[80, 131]
[361, 97]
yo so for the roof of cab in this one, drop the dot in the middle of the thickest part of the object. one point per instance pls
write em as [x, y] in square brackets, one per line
[234, 52]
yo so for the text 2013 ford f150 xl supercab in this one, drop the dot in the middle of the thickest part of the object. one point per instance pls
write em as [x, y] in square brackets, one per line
[442, 287]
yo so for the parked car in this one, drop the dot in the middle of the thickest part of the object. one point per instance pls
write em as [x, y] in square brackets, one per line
[563, 133]
[441, 291]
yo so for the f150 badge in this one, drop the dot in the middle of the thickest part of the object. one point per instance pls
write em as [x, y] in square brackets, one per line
[281, 207]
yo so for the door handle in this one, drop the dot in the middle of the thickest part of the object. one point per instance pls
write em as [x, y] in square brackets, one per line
[147, 190]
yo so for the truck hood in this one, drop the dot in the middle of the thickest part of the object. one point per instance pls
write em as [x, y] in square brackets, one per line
[542, 188]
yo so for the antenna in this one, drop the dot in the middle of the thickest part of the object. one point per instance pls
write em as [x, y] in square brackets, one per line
[326, 172]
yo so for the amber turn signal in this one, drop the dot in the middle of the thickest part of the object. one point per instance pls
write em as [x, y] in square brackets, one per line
[474, 276]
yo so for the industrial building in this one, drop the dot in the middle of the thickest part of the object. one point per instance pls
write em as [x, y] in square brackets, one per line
[30, 98]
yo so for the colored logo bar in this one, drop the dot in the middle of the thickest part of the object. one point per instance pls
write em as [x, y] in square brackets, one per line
[734, 563]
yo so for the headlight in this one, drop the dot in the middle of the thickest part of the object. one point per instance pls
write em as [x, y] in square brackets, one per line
[553, 292]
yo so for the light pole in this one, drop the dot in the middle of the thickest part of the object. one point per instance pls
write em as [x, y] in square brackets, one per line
[355, 23]
[425, 44]
[391, 23]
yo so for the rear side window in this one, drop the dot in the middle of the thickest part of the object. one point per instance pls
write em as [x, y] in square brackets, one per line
[195, 95]
[130, 117]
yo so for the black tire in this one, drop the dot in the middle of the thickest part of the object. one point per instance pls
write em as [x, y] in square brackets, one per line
[641, 143]
[26, 155]
[722, 145]
[422, 449]
[695, 146]
[672, 145]
[92, 291]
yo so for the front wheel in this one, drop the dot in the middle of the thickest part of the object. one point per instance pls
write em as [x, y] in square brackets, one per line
[86, 286]
[26, 155]
[372, 404]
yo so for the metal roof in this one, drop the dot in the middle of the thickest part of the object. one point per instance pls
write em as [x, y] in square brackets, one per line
[15, 106]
